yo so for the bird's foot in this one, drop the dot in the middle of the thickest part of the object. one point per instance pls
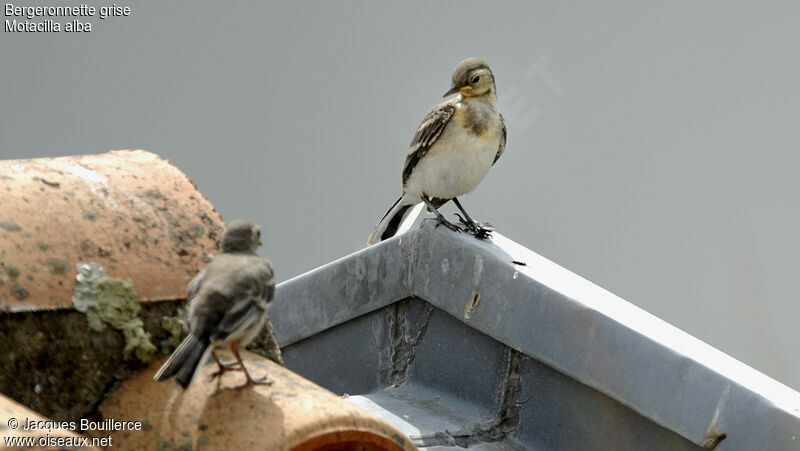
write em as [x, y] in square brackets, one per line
[481, 230]
[484, 231]
[230, 366]
[257, 381]
[466, 226]
[448, 224]
[215, 374]
[225, 367]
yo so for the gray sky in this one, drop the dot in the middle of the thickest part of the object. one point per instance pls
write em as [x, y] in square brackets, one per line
[653, 148]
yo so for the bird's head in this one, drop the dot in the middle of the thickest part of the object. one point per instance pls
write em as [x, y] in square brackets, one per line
[241, 236]
[472, 78]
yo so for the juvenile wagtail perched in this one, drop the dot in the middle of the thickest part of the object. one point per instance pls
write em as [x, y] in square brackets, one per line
[228, 303]
[452, 150]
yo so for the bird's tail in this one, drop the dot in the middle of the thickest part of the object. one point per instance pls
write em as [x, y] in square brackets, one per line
[397, 220]
[187, 359]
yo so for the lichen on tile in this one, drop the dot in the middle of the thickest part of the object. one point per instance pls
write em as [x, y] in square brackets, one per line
[112, 301]
[173, 325]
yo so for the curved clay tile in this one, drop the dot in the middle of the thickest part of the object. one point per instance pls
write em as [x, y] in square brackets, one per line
[132, 212]
[292, 414]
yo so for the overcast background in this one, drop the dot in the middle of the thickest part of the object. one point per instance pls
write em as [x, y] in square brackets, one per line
[653, 149]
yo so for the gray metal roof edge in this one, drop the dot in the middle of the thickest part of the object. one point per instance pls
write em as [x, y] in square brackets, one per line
[351, 286]
[559, 318]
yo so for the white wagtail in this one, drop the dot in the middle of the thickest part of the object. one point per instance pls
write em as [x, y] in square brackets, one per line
[228, 303]
[452, 150]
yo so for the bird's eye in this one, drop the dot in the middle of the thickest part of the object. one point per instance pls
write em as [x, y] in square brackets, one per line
[475, 79]
[258, 233]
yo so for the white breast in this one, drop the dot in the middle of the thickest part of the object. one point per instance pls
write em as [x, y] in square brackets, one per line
[457, 161]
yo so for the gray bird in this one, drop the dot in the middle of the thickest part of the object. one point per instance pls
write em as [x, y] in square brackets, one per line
[228, 303]
[452, 150]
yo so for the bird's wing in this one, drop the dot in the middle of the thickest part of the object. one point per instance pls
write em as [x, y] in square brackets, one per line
[194, 285]
[206, 312]
[191, 293]
[255, 288]
[427, 133]
[232, 288]
[502, 140]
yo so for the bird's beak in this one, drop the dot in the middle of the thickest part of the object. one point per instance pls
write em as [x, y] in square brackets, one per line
[450, 92]
[454, 90]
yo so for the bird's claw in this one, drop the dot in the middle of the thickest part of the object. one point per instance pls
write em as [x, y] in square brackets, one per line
[464, 222]
[223, 368]
[484, 227]
[481, 230]
[219, 373]
[484, 233]
[257, 381]
[262, 381]
[449, 225]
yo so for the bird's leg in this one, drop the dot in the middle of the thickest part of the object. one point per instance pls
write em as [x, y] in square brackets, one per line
[223, 367]
[468, 222]
[480, 230]
[250, 381]
[439, 217]
[227, 366]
